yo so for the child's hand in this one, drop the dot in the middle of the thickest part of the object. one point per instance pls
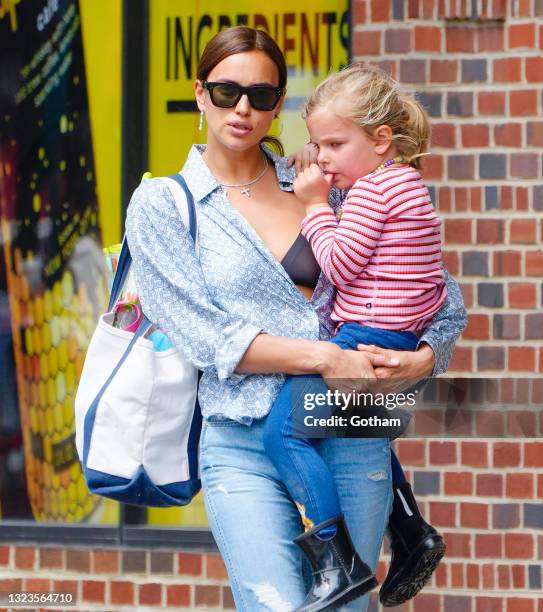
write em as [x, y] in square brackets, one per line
[311, 187]
[304, 158]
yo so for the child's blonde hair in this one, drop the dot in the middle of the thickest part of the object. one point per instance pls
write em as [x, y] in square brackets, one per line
[370, 97]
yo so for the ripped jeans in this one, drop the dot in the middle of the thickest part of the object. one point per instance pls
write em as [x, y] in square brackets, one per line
[304, 473]
[254, 520]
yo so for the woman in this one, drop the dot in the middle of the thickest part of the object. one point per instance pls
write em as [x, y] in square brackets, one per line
[244, 314]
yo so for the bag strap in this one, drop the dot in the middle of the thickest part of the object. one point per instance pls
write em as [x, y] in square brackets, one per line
[121, 274]
[185, 205]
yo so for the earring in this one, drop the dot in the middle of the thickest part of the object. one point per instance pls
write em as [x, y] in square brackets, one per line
[201, 124]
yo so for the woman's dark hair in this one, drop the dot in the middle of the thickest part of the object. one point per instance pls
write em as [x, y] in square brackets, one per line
[241, 39]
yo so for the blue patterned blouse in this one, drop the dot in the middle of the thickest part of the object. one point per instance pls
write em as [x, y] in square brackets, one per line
[212, 306]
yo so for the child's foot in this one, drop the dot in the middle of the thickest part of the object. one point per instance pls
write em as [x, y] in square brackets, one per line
[339, 573]
[416, 549]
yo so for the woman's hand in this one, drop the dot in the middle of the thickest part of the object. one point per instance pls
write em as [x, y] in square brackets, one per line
[411, 367]
[349, 371]
[311, 187]
[304, 158]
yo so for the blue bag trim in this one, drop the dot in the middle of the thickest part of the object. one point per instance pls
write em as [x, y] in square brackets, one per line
[121, 274]
[194, 436]
[140, 490]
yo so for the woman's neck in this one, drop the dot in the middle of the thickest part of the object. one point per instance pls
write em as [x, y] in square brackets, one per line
[233, 167]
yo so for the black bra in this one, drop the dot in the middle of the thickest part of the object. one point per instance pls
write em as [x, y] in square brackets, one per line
[300, 264]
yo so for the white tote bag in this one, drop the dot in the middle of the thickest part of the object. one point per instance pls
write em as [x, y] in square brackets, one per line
[136, 410]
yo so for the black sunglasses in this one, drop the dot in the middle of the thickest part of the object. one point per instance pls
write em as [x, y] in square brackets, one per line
[227, 95]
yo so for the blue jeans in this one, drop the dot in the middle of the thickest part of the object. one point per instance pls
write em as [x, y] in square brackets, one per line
[254, 521]
[306, 476]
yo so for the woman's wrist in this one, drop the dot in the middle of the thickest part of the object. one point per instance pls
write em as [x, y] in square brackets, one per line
[426, 359]
[322, 357]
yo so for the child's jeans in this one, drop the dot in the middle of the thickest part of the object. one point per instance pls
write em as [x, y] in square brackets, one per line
[304, 473]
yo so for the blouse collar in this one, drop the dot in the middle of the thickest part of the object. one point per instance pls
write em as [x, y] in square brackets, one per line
[201, 181]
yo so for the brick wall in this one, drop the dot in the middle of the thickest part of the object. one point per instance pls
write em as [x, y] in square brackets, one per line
[489, 520]
[484, 496]
[477, 66]
[115, 579]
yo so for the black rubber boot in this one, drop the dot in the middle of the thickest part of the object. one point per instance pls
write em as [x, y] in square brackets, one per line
[416, 549]
[339, 573]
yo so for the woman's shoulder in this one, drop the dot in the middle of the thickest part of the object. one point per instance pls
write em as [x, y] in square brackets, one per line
[153, 196]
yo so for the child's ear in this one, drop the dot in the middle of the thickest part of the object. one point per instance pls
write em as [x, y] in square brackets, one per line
[383, 139]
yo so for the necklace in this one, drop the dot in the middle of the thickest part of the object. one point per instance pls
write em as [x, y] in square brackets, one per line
[396, 160]
[244, 187]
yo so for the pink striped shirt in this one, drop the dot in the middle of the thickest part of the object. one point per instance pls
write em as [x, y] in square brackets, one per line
[384, 255]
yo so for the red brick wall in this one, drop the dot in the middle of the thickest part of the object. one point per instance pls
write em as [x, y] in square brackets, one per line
[481, 80]
[484, 496]
[107, 579]
[489, 566]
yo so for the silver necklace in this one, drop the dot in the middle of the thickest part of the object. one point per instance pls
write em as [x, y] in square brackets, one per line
[244, 187]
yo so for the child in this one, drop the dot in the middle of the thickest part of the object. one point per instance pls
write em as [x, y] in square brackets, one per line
[384, 256]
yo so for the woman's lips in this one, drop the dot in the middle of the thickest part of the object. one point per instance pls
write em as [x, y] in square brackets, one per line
[239, 129]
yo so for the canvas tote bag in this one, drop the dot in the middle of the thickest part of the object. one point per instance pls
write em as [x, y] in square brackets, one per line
[138, 421]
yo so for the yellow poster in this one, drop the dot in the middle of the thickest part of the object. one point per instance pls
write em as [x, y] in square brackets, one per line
[314, 36]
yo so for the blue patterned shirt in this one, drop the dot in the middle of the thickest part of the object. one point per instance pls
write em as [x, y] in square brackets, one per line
[213, 305]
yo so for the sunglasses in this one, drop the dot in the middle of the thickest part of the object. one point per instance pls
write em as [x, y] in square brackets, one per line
[227, 95]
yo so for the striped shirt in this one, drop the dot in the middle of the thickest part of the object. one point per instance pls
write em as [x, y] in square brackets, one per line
[384, 255]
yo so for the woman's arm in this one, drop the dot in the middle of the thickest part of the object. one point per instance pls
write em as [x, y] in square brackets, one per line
[447, 325]
[268, 354]
[342, 370]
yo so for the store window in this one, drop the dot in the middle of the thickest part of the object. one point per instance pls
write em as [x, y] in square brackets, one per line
[65, 179]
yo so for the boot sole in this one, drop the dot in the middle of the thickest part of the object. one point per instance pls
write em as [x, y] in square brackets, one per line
[408, 583]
